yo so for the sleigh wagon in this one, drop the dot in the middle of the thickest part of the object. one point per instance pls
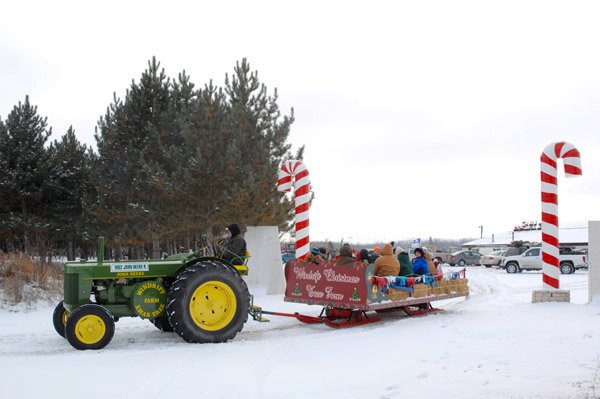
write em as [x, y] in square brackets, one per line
[350, 293]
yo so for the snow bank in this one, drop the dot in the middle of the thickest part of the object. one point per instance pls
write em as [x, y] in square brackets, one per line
[497, 344]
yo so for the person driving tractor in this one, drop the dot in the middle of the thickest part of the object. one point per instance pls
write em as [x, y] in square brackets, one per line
[235, 248]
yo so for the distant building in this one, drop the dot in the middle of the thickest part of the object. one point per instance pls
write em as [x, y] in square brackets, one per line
[576, 237]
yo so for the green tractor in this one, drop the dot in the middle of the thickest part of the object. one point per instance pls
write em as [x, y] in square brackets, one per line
[199, 296]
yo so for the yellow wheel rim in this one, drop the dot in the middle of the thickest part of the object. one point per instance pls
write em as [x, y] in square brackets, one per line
[64, 317]
[90, 329]
[213, 305]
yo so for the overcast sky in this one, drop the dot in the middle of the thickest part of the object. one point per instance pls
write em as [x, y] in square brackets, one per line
[419, 118]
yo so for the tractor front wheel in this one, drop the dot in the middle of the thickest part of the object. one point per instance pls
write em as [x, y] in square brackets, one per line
[59, 318]
[89, 327]
[208, 302]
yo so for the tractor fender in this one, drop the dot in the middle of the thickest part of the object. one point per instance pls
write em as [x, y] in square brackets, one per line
[189, 262]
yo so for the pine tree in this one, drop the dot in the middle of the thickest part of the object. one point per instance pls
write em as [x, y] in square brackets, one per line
[258, 145]
[70, 190]
[205, 170]
[24, 165]
[175, 163]
[133, 141]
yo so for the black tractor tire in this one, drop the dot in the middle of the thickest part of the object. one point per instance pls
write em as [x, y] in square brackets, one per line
[462, 262]
[567, 268]
[89, 327]
[162, 323]
[512, 268]
[208, 303]
[59, 318]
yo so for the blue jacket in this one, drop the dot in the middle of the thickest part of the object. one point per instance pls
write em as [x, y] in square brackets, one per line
[420, 266]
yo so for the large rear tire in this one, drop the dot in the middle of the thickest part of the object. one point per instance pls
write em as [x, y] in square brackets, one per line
[90, 327]
[162, 323]
[59, 318]
[208, 303]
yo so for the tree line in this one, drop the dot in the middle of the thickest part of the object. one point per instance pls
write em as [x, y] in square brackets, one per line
[173, 164]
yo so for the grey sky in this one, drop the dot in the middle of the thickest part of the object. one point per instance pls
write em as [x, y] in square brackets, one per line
[419, 118]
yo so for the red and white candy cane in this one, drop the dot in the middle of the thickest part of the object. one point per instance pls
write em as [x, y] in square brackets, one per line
[298, 171]
[550, 252]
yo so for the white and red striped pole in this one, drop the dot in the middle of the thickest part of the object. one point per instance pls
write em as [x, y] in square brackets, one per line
[297, 170]
[550, 240]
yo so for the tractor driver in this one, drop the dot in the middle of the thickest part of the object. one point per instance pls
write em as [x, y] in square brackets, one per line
[235, 249]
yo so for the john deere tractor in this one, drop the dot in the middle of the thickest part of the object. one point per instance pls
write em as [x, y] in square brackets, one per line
[199, 296]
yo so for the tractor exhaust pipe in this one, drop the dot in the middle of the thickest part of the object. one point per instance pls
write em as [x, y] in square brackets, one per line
[100, 250]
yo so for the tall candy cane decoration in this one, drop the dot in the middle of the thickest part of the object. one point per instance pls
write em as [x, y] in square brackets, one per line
[298, 171]
[550, 251]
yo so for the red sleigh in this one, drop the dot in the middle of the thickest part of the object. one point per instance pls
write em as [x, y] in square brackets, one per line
[351, 295]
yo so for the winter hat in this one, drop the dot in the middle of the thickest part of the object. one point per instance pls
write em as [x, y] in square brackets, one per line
[315, 251]
[419, 250]
[376, 248]
[387, 249]
[364, 254]
[399, 250]
[234, 229]
[345, 250]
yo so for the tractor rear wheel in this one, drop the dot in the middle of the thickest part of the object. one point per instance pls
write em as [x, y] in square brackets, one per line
[162, 323]
[208, 302]
[90, 327]
[59, 318]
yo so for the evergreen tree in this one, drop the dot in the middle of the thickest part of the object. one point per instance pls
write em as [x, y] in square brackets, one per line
[257, 146]
[175, 163]
[133, 142]
[70, 190]
[22, 183]
[7, 237]
[205, 171]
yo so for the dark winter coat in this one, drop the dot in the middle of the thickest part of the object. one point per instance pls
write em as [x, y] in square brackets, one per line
[235, 250]
[405, 266]
[387, 264]
[364, 256]
[373, 257]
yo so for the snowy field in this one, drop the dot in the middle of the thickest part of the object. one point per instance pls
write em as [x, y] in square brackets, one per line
[497, 344]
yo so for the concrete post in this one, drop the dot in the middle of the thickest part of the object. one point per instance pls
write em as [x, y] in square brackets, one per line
[594, 261]
[265, 266]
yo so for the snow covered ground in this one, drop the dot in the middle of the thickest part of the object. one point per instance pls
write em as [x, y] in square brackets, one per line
[497, 344]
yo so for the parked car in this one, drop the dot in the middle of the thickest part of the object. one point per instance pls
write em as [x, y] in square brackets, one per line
[462, 258]
[493, 258]
[569, 261]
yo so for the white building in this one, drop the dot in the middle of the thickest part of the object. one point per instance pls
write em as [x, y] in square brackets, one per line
[570, 237]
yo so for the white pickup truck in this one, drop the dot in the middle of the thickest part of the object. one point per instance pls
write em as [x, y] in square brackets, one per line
[532, 260]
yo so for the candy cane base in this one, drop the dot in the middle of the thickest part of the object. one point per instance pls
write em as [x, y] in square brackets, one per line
[551, 296]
